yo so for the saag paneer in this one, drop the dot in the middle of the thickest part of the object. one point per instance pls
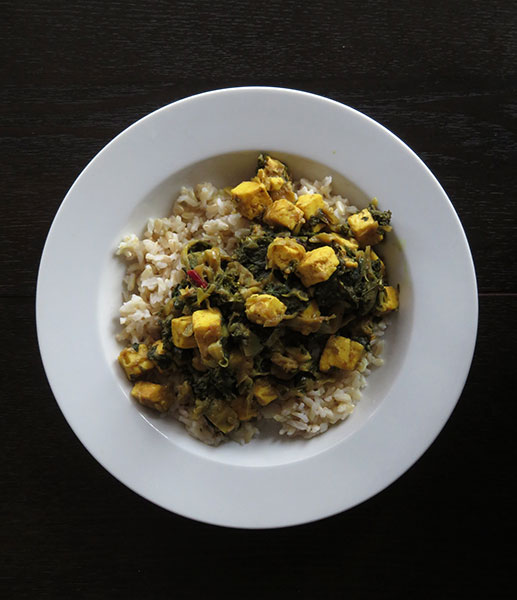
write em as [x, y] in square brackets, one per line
[295, 303]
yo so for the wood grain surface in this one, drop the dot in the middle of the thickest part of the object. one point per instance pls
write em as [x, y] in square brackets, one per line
[442, 75]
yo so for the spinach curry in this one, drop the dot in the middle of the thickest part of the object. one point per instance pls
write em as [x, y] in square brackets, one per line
[296, 303]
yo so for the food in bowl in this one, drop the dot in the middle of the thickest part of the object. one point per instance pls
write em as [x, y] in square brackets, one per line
[265, 300]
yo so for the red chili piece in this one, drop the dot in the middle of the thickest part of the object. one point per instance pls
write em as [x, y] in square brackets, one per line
[196, 279]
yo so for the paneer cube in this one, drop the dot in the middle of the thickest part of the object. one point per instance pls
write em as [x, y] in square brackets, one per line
[152, 395]
[365, 228]
[283, 213]
[183, 332]
[275, 183]
[387, 301]
[308, 321]
[349, 246]
[252, 198]
[264, 391]
[207, 326]
[264, 309]
[341, 352]
[317, 266]
[310, 204]
[134, 361]
[245, 407]
[284, 254]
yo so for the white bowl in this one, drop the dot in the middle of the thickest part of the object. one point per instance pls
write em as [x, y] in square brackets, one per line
[272, 481]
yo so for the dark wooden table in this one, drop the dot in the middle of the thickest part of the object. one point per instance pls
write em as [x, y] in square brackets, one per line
[442, 76]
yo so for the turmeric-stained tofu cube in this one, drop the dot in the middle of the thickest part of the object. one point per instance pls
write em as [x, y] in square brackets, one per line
[275, 183]
[245, 407]
[278, 186]
[264, 309]
[317, 266]
[182, 332]
[341, 352]
[308, 321]
[365, 228]
[252, 198]
[264, 391]
[387, 301]
[310, 204]
[207, 328]
[152, 395]
[284, 254]
[134, 361]
[283, 213]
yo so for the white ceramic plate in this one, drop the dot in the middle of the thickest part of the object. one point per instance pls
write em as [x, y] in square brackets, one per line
[271, 482]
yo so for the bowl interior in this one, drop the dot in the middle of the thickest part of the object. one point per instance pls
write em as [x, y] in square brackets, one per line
[268, 448]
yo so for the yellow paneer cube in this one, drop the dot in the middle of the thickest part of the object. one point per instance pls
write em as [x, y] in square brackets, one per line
[308, 321]
[283, 213]
[264, 309]
[278, 186]
[182, 332]
[264, 391]
[152, 395]
[365, 228]
[341, 352]
[207, 326]
[135, 362]
[275, 183]
[252, 198]
[387, 301]
[317, 266]
[334, 238]
[310, 204]
[284, 254]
